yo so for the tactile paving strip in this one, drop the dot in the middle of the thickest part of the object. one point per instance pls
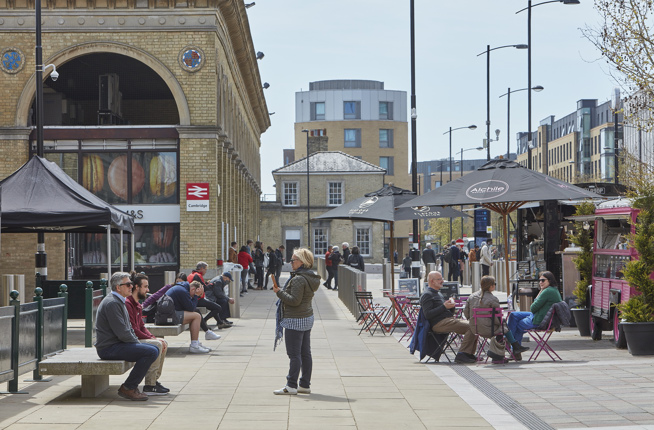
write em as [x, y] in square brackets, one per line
[503, 400]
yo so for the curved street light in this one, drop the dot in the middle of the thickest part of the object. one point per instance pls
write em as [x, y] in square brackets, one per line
[470, 127]
[487, 52]
[537, 88]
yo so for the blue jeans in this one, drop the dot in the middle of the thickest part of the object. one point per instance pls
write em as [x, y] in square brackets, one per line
[519, 323]
[141, 354]
[298, 348]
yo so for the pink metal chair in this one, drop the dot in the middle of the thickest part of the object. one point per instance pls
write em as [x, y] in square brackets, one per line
[483, 342]
[542, 337]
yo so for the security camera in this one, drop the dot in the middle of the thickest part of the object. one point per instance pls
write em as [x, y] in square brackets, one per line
[54, 75]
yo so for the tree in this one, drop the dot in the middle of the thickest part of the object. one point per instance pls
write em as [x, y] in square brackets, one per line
[625, 42]
[583, 238]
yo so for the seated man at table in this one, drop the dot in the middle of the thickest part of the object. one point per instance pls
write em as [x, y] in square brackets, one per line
[441, 319]
[116, 339]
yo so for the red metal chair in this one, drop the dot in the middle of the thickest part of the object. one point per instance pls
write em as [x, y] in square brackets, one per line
[542, 337]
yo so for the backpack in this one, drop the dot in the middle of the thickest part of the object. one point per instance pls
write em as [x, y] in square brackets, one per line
[165, 313]
[447, 255]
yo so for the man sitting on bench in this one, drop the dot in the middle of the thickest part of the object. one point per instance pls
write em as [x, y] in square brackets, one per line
[185, 297]
[116, 339]
[439, 313]
[152, 386]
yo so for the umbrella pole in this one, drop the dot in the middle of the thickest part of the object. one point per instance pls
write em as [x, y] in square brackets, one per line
[391, 253]
[506, 253]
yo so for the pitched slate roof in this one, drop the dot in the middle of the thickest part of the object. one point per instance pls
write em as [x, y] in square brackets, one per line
[329, 162]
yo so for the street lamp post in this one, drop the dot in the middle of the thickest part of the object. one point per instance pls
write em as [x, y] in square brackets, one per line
[488, 122]
[308, 195]
[470, 127]
[528, 9]
[479, 148]
[537, 88]
[414, 117]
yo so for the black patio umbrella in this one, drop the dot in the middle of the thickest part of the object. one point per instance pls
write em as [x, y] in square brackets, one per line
[501, 186]
[383, 208]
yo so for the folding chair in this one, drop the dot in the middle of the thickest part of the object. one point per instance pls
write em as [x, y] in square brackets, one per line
[483, 342]
[444, 342]
[404, 308]
[542, 337]
[371, 315]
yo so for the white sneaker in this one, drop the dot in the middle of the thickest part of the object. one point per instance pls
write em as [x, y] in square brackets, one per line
[302, 390]
[198, 349]
[286, 391]
[209, 335]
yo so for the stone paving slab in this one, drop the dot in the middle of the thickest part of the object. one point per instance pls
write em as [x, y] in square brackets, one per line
[359, 382]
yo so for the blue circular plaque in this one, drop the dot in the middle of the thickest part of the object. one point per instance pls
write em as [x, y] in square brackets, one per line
[12, 60]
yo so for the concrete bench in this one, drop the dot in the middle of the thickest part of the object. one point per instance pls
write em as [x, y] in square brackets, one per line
[166, 330]
[85, 362]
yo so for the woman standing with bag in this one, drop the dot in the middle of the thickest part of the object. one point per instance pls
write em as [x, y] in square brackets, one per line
[295, 314]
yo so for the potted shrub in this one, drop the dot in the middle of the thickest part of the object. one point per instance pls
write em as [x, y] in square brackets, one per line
[638, 312]
[583, 238]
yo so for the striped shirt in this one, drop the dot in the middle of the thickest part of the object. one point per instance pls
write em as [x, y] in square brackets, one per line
[298, 324]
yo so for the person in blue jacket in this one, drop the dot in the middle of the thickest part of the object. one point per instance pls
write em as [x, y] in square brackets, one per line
[185, 297]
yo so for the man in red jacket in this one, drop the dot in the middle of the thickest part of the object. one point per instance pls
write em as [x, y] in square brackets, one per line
[152, 386]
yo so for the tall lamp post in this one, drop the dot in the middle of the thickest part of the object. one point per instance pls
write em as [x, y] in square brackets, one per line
[528, 9]
[308, 194]
[414, 117]
[479, 148]
[488, 123]
[40, 257]
[537, 88]
[470, 127]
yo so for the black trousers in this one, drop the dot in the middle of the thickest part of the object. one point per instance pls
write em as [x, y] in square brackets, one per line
[214, 312]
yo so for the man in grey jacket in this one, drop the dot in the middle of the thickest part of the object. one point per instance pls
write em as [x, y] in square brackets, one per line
[116, 339]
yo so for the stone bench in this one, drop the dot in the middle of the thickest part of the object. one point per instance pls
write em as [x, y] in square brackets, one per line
[85, 362]
[166, 330]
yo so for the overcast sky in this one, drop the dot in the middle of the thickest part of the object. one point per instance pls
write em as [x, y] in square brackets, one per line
[311, 40]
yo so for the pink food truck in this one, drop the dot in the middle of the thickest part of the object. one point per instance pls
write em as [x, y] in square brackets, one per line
[614, 221]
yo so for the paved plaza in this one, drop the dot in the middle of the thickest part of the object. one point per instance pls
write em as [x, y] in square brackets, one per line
[359, 382]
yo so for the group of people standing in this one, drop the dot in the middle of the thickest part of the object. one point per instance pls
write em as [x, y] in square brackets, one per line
[333, 258]
[255, 261]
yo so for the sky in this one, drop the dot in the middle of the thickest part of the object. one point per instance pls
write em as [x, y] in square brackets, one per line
[310, 40]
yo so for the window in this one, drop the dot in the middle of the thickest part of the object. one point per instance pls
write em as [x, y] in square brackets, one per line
[352, 110]
[317, 111]
[335, 194]
[352, 138]
[320, 240]
[385, 138]
[363, 240]
[290, 194]
[385, 110]
[387, 163]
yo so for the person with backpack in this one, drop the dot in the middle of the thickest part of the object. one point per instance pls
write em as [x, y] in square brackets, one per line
[406, 265]
[455, 256]
[258, 257]
[273, 261]
[213, 308]
[335, 258]
[355, 259]
[150, 304]
[185, 298]
[152, 385]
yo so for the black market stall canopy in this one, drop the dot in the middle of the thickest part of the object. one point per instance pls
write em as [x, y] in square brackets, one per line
[501, 186]
[381, 206]
[40, 197]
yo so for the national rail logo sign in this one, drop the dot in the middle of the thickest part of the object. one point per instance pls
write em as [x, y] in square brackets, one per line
[197, 197]
[487, 190]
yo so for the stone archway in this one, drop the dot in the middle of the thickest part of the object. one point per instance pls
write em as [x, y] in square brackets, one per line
[62, 57]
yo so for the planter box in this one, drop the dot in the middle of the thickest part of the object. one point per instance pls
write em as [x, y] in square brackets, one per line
[582, 319]
[640, 337]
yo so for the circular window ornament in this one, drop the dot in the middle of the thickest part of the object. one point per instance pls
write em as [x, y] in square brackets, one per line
[12, 60]
[191, 59]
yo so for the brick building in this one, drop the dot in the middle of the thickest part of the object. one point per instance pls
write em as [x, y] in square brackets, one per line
[152, 95]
